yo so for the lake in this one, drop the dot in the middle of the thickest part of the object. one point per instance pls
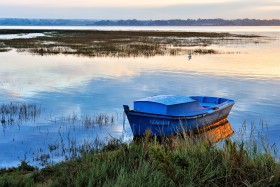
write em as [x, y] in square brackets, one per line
[69, 90]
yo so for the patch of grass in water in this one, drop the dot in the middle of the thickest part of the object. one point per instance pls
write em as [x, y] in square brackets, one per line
[88, 121]
[18, 112]
[5, 49]
[120, 43]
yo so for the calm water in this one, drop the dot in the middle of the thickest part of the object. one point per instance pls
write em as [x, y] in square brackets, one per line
[70, 87]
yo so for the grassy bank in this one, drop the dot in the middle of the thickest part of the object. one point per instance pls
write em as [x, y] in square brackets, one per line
[180, 161]
[94, 43]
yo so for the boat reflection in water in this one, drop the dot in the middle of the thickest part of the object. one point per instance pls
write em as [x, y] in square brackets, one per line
[214, 132]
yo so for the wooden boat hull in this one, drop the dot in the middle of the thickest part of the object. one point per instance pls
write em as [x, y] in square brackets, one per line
[167, 125]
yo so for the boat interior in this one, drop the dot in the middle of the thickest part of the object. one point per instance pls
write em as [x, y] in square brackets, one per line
[209, 101]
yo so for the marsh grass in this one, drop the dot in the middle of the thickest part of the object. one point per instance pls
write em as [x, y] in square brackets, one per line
[16, 113]
[176, 161]
[86, 120]
[66, 146]
[257, 140]
[4, 49]
[100, 119]
[122, 43]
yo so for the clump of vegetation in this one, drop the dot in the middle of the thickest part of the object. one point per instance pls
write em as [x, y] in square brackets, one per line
[120, 43]
[172, 161]
[101, 119]
[205, 51]
[87, 120]
[17, 176]
[18, 112]
[4, 49]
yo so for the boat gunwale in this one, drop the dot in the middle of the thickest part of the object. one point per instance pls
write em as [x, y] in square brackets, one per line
[167, 116]
[134, 112]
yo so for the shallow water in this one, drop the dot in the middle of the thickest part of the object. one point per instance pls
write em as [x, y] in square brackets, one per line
[70, 87]
[18, 36]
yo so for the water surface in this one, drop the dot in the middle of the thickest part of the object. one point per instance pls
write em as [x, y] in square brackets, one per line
[70, 87]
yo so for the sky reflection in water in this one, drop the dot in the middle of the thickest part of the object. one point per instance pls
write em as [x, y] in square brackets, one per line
[67, 85]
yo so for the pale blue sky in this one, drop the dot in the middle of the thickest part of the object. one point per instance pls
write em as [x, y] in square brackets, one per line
[140, 9]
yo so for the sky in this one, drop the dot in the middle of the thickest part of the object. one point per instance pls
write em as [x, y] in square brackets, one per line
[140, 9]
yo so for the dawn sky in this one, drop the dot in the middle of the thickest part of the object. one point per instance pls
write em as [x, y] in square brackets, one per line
[140, 9]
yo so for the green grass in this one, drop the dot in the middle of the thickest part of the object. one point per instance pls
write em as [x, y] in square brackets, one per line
[176, 161]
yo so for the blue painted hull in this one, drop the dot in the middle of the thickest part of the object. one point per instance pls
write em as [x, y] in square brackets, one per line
[167, 125]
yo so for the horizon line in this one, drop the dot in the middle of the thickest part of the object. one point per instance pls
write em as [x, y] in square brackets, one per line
[140, 19]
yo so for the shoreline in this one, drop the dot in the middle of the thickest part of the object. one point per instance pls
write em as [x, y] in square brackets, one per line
[179, 161]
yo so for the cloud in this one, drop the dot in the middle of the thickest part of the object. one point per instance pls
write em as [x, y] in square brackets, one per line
[268, 8]
[125, 9]
[25, 75]
[108, 3]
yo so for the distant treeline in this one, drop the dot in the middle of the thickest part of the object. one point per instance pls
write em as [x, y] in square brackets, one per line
[134, 22]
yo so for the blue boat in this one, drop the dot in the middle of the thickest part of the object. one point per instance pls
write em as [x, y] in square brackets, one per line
[166, 115]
